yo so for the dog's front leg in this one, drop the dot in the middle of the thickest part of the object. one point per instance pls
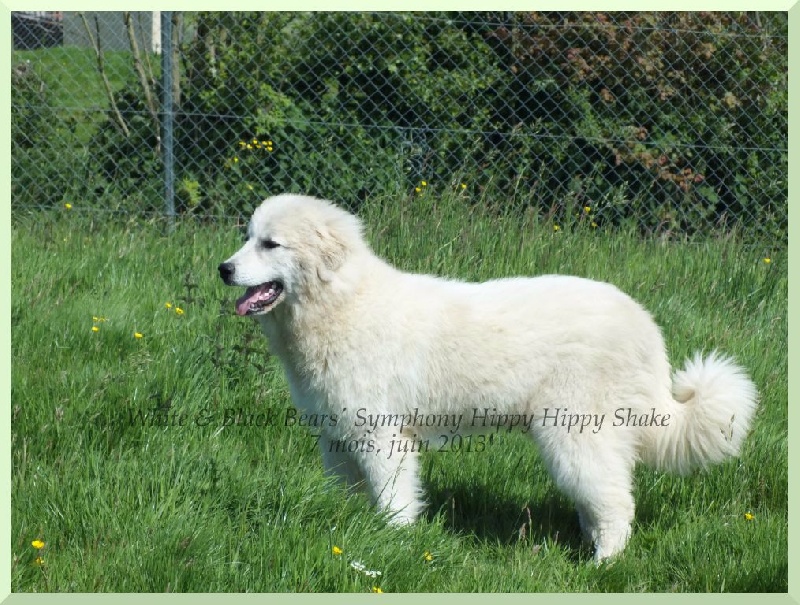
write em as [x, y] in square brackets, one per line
[391, 472]
[339, 463]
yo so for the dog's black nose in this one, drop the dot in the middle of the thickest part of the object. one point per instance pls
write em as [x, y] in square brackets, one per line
[226, 271]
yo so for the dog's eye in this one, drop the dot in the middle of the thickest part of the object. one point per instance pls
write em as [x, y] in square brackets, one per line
[269, 244]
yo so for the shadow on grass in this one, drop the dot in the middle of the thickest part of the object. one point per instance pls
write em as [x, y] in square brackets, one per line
[477, 511]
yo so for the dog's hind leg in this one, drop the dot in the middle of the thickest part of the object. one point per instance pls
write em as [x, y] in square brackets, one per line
[607, 521]
[599, 481]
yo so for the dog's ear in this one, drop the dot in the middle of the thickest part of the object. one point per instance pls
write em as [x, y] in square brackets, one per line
[333, 251]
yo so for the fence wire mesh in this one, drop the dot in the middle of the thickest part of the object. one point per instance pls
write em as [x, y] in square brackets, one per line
[675, 121]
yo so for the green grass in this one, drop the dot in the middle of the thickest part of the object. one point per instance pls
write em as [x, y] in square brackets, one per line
[72, 78]
[126, 507]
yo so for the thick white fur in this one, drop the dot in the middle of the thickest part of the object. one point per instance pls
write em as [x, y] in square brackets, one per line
[355, 333]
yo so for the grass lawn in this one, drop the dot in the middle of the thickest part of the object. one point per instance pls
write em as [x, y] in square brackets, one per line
[205, 504]
[72, 78]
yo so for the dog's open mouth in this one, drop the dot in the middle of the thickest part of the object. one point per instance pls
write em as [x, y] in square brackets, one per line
[258, 300]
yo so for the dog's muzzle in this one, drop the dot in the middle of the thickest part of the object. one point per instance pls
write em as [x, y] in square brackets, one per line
[257, 300]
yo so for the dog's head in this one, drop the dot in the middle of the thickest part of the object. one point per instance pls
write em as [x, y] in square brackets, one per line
[294, 244]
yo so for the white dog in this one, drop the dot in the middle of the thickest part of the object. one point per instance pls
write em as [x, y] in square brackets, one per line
[387, 364]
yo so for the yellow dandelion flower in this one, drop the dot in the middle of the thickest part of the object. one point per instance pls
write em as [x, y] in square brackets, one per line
[255, 141]
[249, 146]
[767, 260]
[594, 224]
[463, 185]
[95, 329]
[377, 589]
[418, 190]
[37, 544]
[424, 183]
[266, 143]
[556, 228]
[242, 143]
[138, 335]
[178, 311]
[336, 550]
[428, 556]
[38, 561]
[269, 143]
[168, 305]
[749, 516]
[235, 159]
[68, 206]
[587, 209]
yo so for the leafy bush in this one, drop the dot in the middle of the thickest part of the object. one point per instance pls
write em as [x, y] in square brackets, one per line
[674, 120]
[688, 110]
[42, 175]
[350, 101]
[127, 170]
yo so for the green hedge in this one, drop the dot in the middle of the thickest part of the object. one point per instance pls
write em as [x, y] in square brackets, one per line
[677, 121]
[42, 173]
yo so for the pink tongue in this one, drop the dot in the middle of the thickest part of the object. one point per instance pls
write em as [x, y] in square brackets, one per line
[250, 296]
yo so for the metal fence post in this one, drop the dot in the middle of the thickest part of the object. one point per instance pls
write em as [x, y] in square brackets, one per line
[167, 114]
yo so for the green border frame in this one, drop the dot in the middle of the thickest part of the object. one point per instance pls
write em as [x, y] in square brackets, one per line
[5, 311]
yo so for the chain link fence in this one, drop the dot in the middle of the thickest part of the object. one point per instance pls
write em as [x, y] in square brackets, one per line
[676, 122]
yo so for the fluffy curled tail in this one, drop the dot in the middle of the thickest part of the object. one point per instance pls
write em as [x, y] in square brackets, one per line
[712, 405]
